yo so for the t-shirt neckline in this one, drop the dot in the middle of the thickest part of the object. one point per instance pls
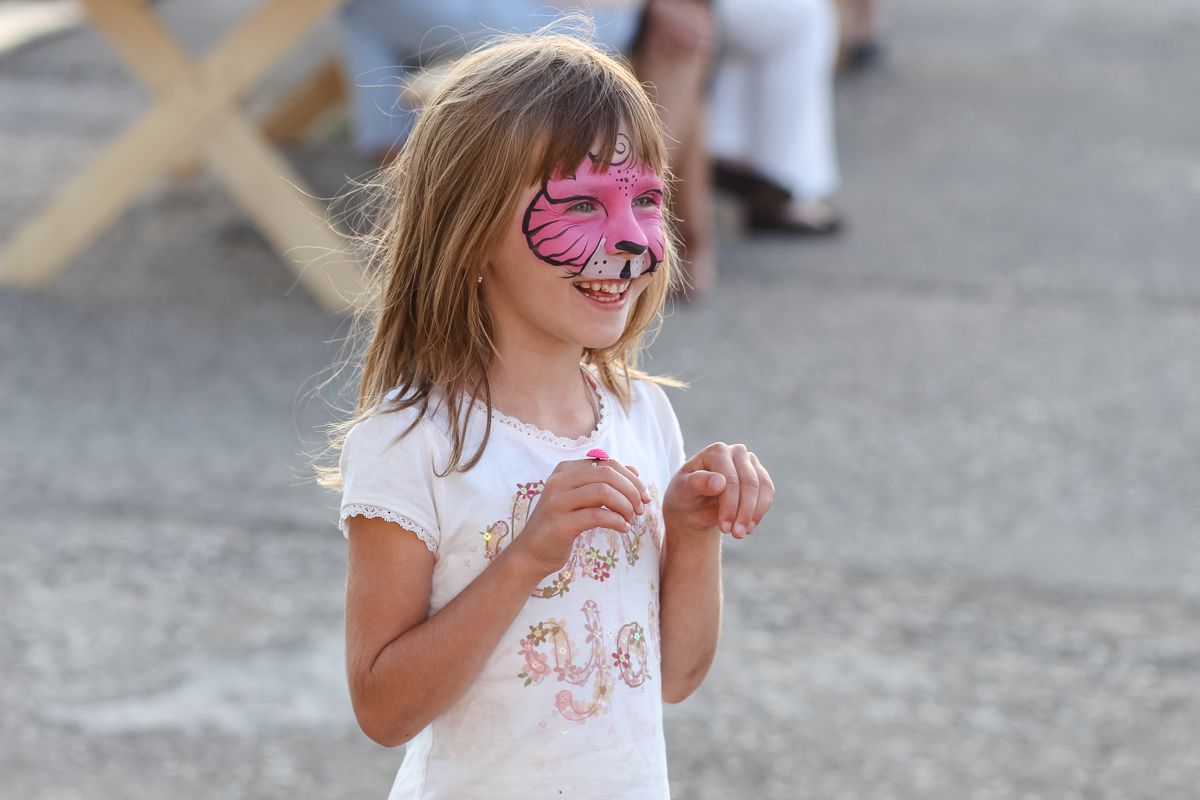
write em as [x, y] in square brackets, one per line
[548, 437]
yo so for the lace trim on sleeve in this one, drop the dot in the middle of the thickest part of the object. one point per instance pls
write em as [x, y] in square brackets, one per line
[375, 512]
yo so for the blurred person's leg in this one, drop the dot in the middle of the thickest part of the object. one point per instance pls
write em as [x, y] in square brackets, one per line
[795, 139]
[728, 131]
[693, 205]
[863, 50]
[772, 107]
[673, 58]
[731, 143]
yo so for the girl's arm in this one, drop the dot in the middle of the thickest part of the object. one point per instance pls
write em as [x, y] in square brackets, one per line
[722, 489]
[404, 669]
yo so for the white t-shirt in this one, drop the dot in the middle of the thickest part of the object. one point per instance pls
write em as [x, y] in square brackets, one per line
[570, 703]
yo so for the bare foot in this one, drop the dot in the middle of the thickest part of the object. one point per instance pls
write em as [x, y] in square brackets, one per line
[816, 213]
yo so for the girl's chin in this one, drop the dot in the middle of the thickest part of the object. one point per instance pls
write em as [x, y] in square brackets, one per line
[599, 339]
[596, 334]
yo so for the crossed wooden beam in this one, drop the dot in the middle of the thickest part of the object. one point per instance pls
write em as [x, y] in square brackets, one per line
[195, 114]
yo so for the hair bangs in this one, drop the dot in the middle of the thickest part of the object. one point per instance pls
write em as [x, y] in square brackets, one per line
[589, 110]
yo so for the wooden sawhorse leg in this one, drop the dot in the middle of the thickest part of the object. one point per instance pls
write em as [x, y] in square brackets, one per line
[195, 113]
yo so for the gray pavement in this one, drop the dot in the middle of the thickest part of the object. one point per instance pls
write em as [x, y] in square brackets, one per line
[982, 575]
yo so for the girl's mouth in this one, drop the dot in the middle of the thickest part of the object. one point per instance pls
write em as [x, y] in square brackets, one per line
[603, 291]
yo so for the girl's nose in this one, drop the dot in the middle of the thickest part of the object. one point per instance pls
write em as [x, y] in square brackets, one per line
[624, 234]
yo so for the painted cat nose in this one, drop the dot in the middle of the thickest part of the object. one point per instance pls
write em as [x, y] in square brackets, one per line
[632, 248]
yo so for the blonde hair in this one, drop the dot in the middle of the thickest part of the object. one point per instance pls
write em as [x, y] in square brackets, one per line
[507, 116]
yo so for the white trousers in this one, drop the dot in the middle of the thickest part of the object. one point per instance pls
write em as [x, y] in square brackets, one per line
[772, 100]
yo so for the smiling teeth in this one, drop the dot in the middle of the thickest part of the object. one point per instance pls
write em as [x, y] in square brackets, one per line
[606, 287]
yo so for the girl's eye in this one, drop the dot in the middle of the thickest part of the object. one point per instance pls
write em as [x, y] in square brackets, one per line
[646, 201]
[582, 207]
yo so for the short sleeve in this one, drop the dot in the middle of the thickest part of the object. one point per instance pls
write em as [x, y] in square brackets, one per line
[668, 423]
[391, 477]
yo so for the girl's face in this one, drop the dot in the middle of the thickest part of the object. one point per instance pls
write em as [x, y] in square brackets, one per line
[580, 250]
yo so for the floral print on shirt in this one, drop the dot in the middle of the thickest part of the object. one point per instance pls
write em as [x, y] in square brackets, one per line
[596, 552]
[608, 656]
[628, 660]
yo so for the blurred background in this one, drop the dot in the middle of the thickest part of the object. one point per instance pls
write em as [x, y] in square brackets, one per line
[979, 397]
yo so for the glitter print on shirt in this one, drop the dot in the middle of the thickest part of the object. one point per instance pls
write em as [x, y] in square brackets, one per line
[596, 553]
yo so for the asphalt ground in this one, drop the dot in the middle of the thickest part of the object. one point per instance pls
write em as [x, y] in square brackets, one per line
[981, 578]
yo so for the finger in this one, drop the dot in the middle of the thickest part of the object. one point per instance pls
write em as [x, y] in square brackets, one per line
[585, 471]
[632, 475]
[594, 495]
[584, 519]
[621, 479]
[766, 493]
[717, 458]
[705, 484]
[748, 496]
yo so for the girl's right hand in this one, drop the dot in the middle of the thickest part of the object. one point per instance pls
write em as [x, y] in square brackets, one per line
[579, 496]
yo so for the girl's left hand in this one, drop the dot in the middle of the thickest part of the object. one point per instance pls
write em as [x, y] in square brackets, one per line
[722, 486]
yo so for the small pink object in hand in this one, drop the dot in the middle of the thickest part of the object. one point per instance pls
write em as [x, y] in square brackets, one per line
[597, 454]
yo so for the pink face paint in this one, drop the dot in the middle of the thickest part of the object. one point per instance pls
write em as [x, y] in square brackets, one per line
[605, 225]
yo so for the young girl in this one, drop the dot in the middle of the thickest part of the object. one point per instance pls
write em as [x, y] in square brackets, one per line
[533, 566]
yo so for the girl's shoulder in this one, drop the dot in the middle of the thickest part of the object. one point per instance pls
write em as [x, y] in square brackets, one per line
[388, 469]
[396, 418]
[650, 415]
[393, 428]
[648, 397]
